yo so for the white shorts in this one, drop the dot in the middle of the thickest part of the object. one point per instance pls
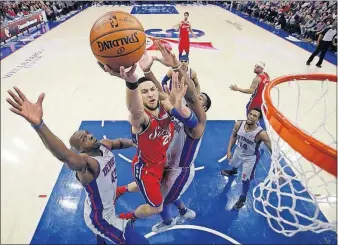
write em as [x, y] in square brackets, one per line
[110, 227]
[249, 163]
[175, 182]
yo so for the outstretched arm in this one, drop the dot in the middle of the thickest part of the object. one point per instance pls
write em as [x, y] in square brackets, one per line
[250, 90]
[196, 82]
[117, 144]
[169, 59]
[138, 117]
[146, 63]
[33, 114]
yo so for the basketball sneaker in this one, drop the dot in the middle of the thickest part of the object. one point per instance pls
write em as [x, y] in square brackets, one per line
[160, 227]
[189, 215]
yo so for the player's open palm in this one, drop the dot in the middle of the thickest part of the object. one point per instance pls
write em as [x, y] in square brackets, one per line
[178, 91]
[146, 62]
[22, 106]
[168, 58]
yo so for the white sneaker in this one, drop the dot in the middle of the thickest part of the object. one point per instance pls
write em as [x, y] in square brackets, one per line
[189, 215]
[160, 227]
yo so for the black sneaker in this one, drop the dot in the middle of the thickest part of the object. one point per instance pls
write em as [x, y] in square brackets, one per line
[320, 66]
[308, 63]
[240, 203]
[231, 172]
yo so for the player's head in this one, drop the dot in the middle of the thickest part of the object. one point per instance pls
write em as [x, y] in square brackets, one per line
[184, 59]
[259, 67]
[83, 141]
[186, 15]
[149, 93]
[206, 101]
[253, 116]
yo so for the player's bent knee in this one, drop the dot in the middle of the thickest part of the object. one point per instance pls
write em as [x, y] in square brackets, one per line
[157, 209]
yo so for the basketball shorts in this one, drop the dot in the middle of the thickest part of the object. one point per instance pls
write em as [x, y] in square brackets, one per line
[111, 227]
[175, 182]
[249, 163]
[184, 45]
[148, 179]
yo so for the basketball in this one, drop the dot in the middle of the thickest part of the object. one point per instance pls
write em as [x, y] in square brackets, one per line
[117, 39]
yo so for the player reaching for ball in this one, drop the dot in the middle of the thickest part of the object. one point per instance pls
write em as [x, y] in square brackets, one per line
[184, 60]
[95, 169]
[152, 130]
[179, 171]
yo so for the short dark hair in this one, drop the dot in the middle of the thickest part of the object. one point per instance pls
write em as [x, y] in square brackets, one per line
[259, 110]
[208, 102]
[143, 79]
[186, 13]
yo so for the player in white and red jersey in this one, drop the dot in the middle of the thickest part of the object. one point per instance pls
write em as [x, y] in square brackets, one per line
[256, 89]
[184, 30]
[95, 167]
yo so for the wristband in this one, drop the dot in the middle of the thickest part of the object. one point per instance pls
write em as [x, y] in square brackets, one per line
[189, 122]
[177, 68]
[39, 125]
[146, 72]
[132, 86]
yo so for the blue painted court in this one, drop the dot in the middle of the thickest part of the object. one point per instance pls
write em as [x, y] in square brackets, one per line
[210, 195]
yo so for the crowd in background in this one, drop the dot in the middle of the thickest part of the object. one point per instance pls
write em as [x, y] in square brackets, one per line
[302, 19]
[13, 10]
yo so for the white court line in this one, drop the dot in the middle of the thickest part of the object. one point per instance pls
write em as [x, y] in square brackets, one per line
[125, 158]
[195, 227]
[105, 137]
[223, 158]
[199, 168]
[102, 124]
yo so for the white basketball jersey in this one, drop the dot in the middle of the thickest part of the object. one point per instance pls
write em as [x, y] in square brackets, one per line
[101, 191]
[183, 149]
[189, 72]
[246, 140]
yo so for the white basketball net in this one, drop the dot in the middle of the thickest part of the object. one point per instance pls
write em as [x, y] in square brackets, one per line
[296, 193]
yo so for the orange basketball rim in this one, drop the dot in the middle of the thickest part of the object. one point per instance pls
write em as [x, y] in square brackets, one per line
[310, 148]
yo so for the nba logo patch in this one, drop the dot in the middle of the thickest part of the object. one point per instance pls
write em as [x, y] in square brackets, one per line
[113, 21]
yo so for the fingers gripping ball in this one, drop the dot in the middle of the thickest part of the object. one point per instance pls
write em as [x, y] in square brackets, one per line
[117, 39]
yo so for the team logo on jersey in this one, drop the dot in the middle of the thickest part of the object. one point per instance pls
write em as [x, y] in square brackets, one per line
[161, 132]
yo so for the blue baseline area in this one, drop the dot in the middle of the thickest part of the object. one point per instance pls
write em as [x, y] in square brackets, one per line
[154, 9]
[330, 56]
[28, 36]
[210, 195]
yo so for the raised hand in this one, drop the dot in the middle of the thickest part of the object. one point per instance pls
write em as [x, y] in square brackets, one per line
[146, 62]
[234, 87]
[23, 107]
[168, 58]
[129, 76]
[177, 92]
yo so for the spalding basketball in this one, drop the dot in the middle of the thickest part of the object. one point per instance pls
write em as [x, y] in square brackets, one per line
[117, 39]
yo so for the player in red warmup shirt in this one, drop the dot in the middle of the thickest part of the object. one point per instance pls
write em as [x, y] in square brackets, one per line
[184, 29]
[256, 89]
[152, 130]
